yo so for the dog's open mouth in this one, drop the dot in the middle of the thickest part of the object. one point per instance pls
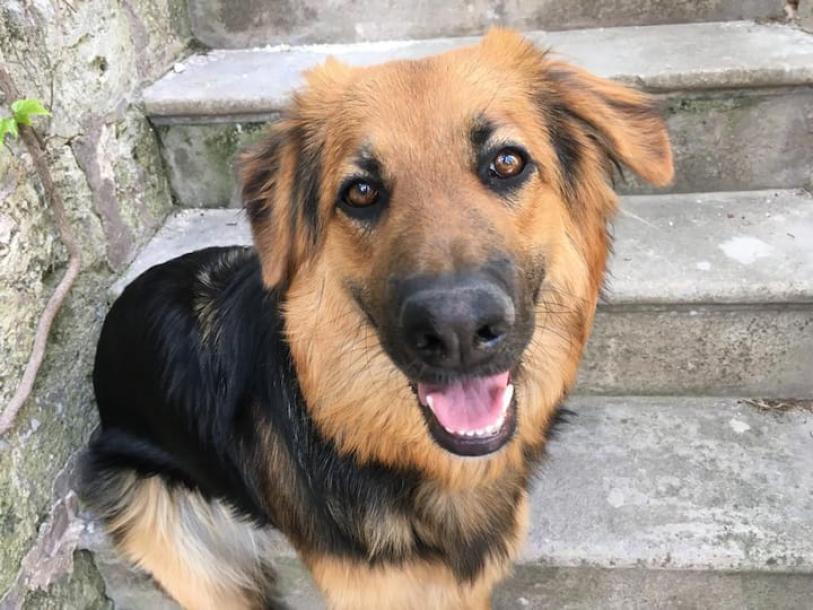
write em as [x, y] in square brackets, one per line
[470, 417]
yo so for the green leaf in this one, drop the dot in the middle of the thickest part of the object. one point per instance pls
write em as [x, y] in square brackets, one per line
[7, 126]
[25, 109]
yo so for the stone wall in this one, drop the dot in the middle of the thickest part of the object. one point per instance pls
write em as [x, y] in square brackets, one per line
[87, 60]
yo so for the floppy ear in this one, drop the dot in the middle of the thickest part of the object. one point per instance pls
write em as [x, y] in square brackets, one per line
[581, 107]
[281, 180]
[623, 121]
[282, 176]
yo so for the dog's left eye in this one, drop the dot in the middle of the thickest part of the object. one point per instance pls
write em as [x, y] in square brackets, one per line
[507, 163]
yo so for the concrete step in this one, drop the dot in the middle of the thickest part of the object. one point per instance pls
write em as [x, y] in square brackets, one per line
[738, 98]
[710, 294]
[245, 23]
[651, 503]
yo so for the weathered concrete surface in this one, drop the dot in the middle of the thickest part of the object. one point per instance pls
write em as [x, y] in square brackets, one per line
[721, 85]
[663, 58]
[677, 483]
[659, 503]
[707, 131]
[718, 350]
[186, 231]
[245, 23]
[709, 293]
[739, 247]
[540, 588]
[87, 60]
[537, 587]
[199, 160]
[805, 15]
[689, 249]
[748, 139]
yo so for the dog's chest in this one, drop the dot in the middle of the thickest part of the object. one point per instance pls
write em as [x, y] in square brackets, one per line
[462, 529]
[444, 557]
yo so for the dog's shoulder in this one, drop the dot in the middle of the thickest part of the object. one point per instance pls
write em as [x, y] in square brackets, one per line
[176, 367]
[189, 327]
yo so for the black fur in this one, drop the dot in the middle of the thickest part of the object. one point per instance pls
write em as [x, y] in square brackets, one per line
[264, 159]
[480, 131]
[194, 382]
[371, 166]
[308, 183]
[566, 145]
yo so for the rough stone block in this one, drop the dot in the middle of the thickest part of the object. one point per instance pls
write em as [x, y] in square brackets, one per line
[738, 99]
[246, 23]
[83, 589]
[199, 159]
[88, 62]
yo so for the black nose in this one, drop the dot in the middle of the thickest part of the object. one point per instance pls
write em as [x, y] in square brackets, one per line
[456, 322]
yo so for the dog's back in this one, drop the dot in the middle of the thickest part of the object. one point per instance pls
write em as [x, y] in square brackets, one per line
[172, 374]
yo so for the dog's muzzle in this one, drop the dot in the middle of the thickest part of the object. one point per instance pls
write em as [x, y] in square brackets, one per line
[454, 333]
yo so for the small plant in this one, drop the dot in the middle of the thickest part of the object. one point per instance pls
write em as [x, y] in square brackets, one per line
[19, 125]
[22, 112]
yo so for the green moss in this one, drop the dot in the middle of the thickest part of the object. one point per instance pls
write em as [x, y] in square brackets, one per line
[200, 159]
[222, 142]
[710, 104]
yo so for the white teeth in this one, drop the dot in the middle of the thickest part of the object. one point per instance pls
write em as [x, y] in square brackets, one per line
[488, 431]
[429, 402]
[507, 396]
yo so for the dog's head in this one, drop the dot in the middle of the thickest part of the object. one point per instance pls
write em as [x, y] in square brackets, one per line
[439, 229]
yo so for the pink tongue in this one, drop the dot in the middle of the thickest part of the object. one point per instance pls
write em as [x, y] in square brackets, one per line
[472, 404]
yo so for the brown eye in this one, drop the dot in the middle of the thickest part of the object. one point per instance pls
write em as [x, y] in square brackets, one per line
[361, 195]
[508, 163]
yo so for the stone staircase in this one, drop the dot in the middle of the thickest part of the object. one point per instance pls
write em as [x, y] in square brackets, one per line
[684, 475]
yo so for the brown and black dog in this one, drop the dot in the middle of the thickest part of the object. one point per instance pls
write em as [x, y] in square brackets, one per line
[376, 377]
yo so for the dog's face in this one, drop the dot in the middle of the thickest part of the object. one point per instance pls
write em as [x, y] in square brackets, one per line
[439, 227]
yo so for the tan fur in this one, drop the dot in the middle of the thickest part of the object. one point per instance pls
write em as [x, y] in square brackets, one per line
[419, 585]
[198, 551]
[422, 585]
[347, 386]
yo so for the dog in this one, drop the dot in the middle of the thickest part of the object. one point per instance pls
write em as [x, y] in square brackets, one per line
[376, 377]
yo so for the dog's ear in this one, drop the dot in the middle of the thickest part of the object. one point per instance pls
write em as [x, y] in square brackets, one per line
[282, 177]
[624, 122]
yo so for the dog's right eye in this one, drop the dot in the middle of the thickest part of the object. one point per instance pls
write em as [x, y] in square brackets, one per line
[362, 199]
[360, 194]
